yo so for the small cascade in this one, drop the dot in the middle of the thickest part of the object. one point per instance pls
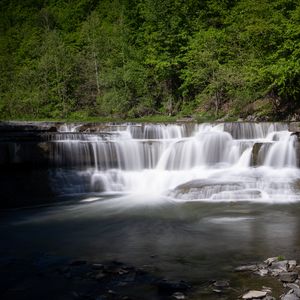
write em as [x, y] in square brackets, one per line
[230, 161]
[282, 152]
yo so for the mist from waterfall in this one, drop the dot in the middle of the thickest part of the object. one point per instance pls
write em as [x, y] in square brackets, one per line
[183, 162]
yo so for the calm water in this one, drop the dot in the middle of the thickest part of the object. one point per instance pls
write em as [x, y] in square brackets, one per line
[193, 241]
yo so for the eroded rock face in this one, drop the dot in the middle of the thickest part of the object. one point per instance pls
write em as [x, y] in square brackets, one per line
[259, 152]
[294, 126]
[19, 126]
[203, 189]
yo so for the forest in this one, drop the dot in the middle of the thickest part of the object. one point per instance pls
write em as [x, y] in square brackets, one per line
[80, 59]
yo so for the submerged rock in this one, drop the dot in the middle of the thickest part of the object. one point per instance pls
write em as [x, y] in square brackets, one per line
[169, 286]
[221, 284]
[178, 296]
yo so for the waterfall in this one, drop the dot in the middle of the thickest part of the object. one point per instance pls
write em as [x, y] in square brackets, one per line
[185, 162]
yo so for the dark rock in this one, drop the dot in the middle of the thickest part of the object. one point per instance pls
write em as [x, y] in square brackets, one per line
[170, 287]
[100, 275]
[78, 262]
[288, 276]
[221, 284]
[97, 266]
[258, 154]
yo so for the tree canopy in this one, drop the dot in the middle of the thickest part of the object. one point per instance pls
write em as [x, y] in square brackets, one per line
[132, 58]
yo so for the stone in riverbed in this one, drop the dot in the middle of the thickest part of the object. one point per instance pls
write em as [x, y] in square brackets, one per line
[275, 272]
[250, 268]
[178, 296]
[290, 297]
[292, 264]
[271, 260]
[168, 286]
[288, 276]
[297, 292]
[254, 295]
[97, 266]
[263, 272]
[280, 265]
[294, 287]
[221, 284]
[78, 262]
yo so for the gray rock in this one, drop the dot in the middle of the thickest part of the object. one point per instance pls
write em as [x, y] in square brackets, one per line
[270, 260]
[291, 285]
[290, 297]
[100, 275]
[266, 289]
[178, 296]
[269, 298]
[221, 284]
[292, 265]
[288, 276]
[275, 272]
[263, 272]
[297, 292]
[294, 127]
[251, 268]
[280, 265]
[254, 294]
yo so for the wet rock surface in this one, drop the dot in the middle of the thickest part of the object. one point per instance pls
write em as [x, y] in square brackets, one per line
[285, 271]
[55, 277]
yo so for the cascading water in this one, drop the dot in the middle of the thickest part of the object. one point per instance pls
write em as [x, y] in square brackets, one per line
[188, 162]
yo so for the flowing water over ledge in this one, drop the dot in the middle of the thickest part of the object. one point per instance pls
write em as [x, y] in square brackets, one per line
[183, 201]
[206, 162]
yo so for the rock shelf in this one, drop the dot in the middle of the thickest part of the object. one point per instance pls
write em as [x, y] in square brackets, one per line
[286, 271]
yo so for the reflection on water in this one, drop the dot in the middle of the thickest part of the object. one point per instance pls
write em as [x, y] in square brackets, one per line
[195, 241]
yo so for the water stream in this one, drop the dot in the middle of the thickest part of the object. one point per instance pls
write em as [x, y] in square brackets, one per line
[188, 201]
[189, 162]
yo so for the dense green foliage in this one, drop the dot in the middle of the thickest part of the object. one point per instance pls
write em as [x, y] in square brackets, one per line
[133, 58]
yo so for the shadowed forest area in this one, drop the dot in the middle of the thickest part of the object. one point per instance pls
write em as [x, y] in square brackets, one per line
[132, 58]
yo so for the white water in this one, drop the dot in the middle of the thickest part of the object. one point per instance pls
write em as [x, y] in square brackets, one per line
[207, 162]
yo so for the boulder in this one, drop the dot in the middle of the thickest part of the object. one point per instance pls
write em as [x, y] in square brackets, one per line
[290, 297]
[288, 276]
[280, 265]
